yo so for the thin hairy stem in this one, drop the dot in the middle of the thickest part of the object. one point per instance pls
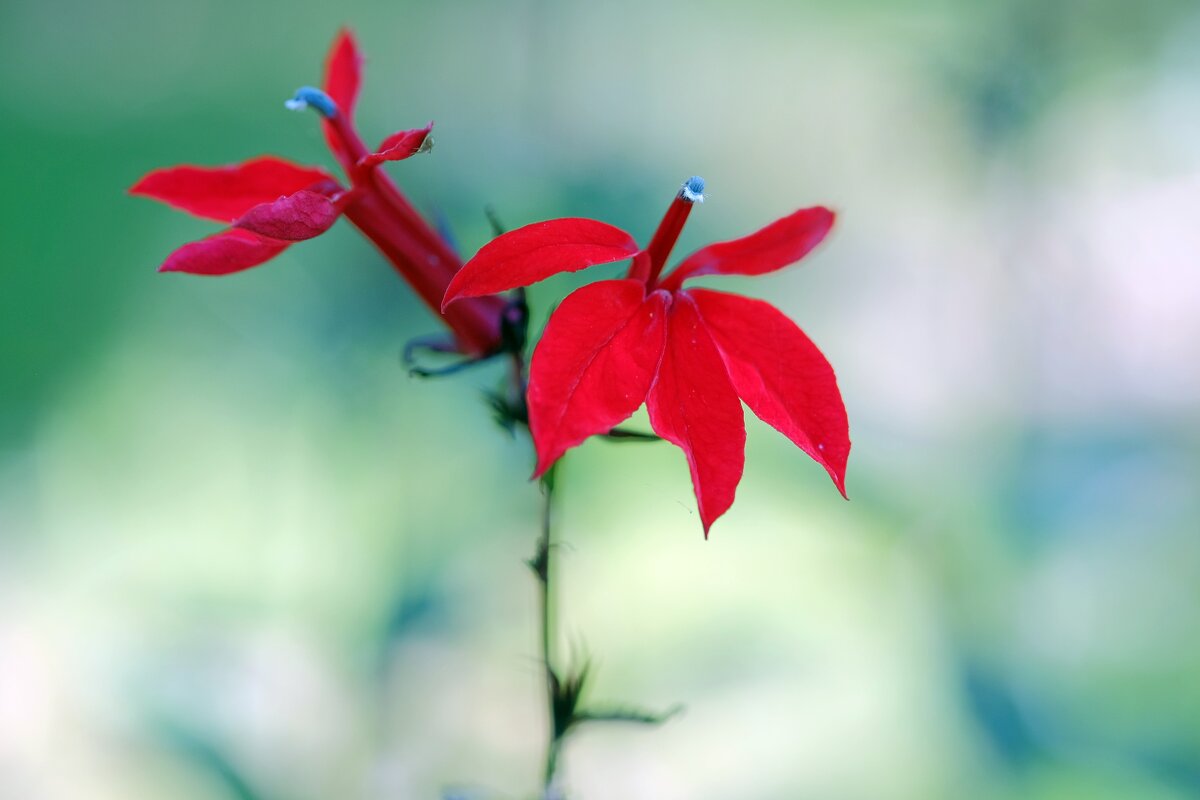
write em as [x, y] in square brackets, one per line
[541, 566]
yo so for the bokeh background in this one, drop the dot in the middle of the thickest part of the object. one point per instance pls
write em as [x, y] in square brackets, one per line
[244, 555]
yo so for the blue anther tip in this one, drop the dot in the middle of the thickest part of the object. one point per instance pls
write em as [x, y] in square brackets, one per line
[693, 189]
[311, 97]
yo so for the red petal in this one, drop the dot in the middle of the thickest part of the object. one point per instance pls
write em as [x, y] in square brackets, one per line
[229, 251]
[343, 72]
[693, 405]
[535, 252]
[594, 364]
[293, 217]
[225, 193]
[785, 241]
[398, 146]
[781, 375]
[343, 75]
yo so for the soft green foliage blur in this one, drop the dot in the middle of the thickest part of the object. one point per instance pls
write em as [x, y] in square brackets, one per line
[243, 555]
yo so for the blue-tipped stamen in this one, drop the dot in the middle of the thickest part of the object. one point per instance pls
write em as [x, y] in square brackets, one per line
[314, 98]
[650, 262]
[693, 189]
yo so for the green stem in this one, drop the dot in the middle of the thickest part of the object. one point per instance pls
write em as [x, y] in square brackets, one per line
[557, 721]
[546, 598]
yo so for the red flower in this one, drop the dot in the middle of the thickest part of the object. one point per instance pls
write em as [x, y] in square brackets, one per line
[689, 354]
[271, 203]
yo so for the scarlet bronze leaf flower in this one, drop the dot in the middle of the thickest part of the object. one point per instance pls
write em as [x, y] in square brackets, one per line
[690, 354]
[271, 203]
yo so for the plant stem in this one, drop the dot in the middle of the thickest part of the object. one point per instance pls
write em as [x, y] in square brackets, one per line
[541, 565]
[563, 692]
[557, 719]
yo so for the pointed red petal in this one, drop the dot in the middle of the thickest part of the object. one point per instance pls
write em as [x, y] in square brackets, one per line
[293, 217]
[343, 75]
[343, 72]
[781, 375]
[693, 405]
[594, 364]
[398, 146]
[785, 241]
[229, 251]
[225, 193]
[535, 252]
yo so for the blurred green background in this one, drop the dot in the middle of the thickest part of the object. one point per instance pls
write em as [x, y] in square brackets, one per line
[243, 555]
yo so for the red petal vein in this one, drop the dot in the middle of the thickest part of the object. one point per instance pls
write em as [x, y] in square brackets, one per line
[693, 405]
[293, 217]
[594, 364]
[781, 375]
